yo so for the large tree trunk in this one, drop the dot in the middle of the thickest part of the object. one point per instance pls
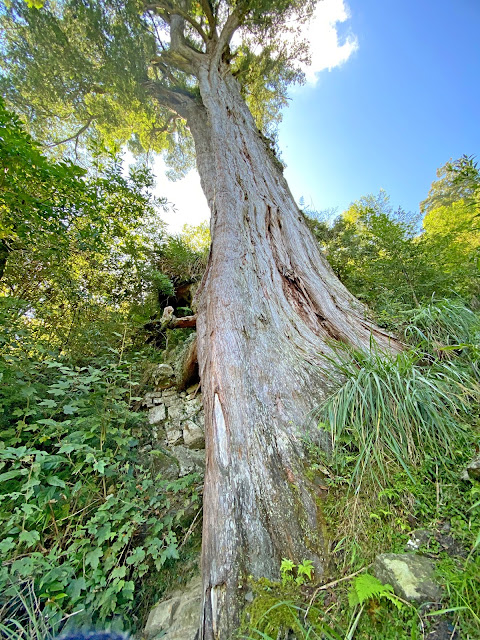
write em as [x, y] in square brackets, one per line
[268, 308]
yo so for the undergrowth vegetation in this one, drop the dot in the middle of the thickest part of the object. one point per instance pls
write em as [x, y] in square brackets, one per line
[82, 516]
[89, 530]
[403, 428]
[91, 533]
[394, 411]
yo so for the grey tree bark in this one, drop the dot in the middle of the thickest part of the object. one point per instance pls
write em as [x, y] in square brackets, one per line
[268, 308]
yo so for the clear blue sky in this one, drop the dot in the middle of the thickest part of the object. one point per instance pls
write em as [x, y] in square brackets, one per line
[402, 105]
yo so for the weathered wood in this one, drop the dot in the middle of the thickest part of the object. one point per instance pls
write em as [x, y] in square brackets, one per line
[169, 321]
[267, 309]
[187, 322]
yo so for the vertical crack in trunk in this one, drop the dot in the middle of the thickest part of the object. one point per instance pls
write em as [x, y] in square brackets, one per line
[267, 308]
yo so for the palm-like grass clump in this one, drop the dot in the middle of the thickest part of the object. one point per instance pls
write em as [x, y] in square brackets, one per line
[395, 410]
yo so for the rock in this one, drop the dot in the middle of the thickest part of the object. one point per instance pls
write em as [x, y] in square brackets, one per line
[175, 411]
[157, 414]
[161, 617]
[163, 376]
[178, 617]
[186, 367]
[193, 436]
[165, 465]
[192, 407]
[200, 420]
[168, 393]
[159, 435]
[419, 538]
[194, 388]
[411, 576]
[473, 469]
[450, 545]
[190, 461]
[423, 538]
[443, 630]
[174, 436]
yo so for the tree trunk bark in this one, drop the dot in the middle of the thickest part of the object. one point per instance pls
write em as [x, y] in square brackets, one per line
[268, 308]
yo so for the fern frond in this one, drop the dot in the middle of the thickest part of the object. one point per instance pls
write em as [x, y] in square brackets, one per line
[366, 587]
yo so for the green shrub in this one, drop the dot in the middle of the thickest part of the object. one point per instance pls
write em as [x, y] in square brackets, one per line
[80, 514]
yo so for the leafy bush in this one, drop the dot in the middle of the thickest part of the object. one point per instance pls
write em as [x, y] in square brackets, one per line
[180, 261]
[81, 515]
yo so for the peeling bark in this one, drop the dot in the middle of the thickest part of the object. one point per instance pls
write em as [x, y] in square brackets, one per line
[268, 307]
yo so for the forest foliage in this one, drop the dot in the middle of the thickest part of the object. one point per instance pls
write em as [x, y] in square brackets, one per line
[86, 265]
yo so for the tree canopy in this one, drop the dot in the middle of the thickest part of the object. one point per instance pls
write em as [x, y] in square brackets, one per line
[120, 69]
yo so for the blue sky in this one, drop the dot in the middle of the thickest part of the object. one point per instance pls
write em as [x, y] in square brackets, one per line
[393, 94]
[405, 101]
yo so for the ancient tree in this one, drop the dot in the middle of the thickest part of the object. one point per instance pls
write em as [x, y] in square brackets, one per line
[269, 304]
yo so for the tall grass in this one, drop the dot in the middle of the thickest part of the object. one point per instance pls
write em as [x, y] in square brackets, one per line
[395, 411]
[445, 328]
[444, 322]
[22, 617]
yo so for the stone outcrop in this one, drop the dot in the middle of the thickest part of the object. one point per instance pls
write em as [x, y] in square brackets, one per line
[411, 575]
[177, 617]
[177, 426]
[175, 448]
[473, 469]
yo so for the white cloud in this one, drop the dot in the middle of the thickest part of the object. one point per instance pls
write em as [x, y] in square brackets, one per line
[326, 49]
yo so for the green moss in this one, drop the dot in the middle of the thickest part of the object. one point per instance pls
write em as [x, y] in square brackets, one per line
[315, 540]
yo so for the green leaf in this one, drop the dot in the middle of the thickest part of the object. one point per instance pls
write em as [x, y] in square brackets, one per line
[69, 409]
[49, 403]
[305, 568]
[104, 533]
[287, 565]
[7, 545]
[8, 475]
[56, 482]
[93, 558]
[171, 552]
[99, 465]
[75, 587]
[30, 538]
[119, 572]
[137, 556]
[128, 590]
[35, 4]
[365, 587]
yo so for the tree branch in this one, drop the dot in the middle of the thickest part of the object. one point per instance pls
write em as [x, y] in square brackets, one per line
[208, 11]
[175, 10]
[75, 136]
[165, 127]
[178, 45]
[232, 23]
[169, 321]
[178, 100]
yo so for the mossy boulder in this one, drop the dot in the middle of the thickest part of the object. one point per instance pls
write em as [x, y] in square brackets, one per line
[411, 575]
